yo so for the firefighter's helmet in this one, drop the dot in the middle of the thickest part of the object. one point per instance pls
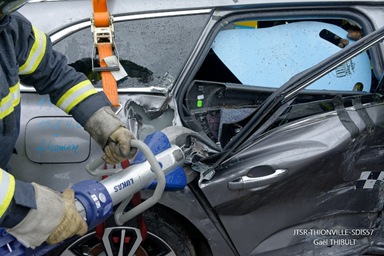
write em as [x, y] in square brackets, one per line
[9, 6]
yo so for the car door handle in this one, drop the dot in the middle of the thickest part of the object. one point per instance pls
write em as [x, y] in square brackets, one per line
[247, 182]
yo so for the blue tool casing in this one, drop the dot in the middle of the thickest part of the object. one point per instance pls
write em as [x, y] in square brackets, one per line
[96, 201]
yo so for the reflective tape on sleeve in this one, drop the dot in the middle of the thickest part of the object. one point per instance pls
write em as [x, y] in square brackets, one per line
[75, 95]
[36, 54]
[7, 190]
[9, 102]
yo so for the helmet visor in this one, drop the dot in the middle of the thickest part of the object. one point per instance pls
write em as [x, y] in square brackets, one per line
[7, 6]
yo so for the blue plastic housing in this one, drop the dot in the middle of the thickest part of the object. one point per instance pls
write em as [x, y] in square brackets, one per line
[175, 180]
[158, 142]
[8, 243]
[96, 201]
[9, 246]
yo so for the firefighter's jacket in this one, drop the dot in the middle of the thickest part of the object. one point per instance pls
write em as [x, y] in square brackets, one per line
[27, 57]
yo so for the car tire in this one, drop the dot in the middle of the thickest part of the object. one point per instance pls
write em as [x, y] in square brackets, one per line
[167, 226]
[167, 235]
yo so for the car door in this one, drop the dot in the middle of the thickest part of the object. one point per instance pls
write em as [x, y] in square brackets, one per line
[284, 192]
[300, 170]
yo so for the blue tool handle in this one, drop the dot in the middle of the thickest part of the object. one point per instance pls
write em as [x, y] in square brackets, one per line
[9, 246]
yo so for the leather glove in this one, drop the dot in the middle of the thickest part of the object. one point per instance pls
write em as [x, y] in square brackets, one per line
[111, 135]
[54, 220]
[119, 147]
[71, 223]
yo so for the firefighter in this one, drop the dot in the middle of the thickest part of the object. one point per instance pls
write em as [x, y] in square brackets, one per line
[30, 212]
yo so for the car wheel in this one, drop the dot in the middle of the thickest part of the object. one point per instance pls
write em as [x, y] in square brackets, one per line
[166, 237]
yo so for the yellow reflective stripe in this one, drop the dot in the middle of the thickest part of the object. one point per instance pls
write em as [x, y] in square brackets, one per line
[6, 106]
[71, 91]
[79, 99]
[7, 190]
[15, 92]
[75, 95]
[36, 54]
[9, 102]
[15, 88]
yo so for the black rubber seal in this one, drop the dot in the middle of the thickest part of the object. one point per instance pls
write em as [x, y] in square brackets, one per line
[344, 117]
[369, 124]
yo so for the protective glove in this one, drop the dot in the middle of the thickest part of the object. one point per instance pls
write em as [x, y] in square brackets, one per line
[55, 219]
[119, 147]
[111, 135]
[71, 223]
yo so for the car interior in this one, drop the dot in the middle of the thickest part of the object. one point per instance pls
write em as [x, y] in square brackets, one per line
[221, 99]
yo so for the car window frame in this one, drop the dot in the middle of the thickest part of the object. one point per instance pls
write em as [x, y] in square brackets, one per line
[221, 18]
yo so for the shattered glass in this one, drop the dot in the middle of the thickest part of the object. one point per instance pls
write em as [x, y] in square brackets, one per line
[152, 51]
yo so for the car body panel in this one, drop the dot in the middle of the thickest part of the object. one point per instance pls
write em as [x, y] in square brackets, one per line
[312, 151]
[187, 204]
[69, 140]
[48, 172]
[307, 138]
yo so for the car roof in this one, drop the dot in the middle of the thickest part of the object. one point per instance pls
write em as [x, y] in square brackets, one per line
[77, 10]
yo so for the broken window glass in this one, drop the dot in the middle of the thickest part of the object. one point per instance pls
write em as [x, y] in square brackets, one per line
[151, 51]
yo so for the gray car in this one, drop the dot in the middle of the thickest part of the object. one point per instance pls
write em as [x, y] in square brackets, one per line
[280, 116]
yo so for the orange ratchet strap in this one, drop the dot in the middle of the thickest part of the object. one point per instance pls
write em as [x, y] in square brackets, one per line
[103, 32]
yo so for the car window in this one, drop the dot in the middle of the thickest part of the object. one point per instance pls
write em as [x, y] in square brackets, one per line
[271, 56]
[249, 60]
[152, 51]
[268, 56]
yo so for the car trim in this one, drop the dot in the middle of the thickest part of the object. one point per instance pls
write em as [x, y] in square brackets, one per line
[57, 36]
[152, 89]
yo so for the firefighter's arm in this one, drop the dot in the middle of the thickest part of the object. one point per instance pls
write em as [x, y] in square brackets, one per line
[33, 213]
[16, 199]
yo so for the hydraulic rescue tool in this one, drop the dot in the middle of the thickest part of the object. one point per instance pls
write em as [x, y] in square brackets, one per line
[158, 164]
